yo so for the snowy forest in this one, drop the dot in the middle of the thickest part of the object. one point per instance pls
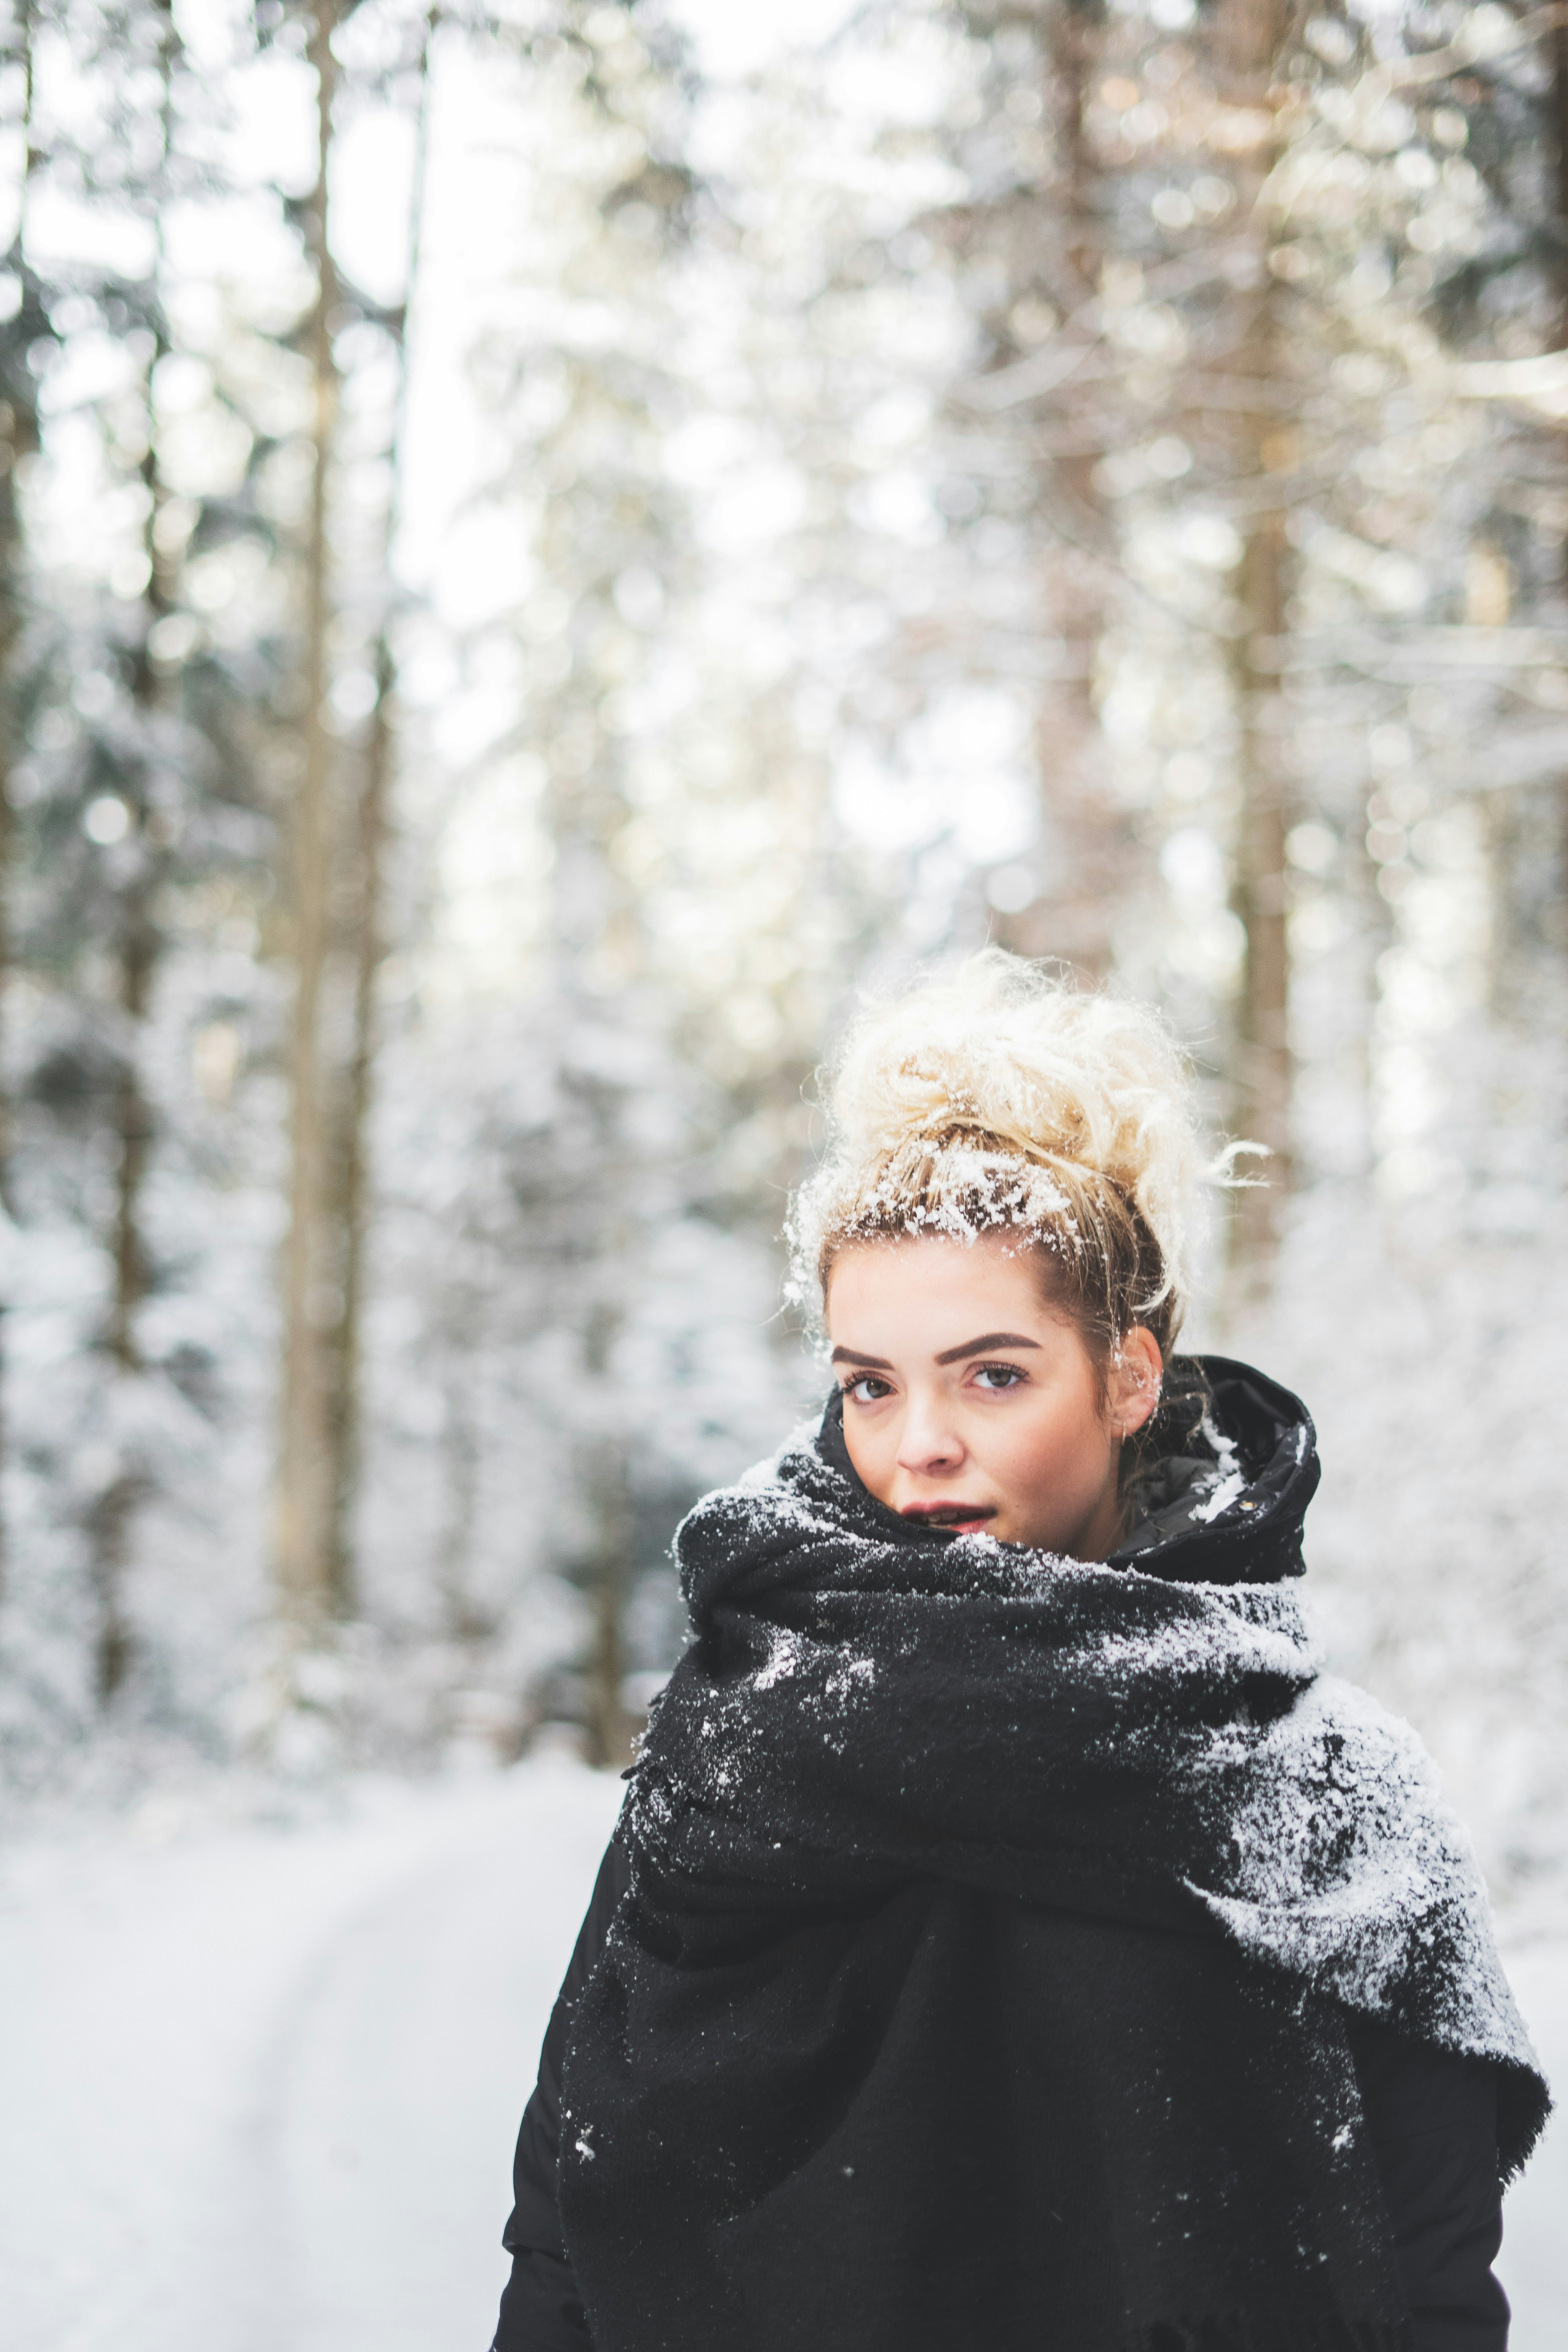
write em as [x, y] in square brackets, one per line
[544, 547]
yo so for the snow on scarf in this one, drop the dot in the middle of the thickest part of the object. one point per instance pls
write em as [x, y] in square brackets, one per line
[871, 1738]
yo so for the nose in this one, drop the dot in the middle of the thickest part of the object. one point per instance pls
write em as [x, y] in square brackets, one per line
[929, 1447]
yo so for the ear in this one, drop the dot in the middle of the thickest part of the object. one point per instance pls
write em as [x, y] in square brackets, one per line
[1135, 1381]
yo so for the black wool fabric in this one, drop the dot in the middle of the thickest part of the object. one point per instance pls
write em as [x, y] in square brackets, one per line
[993, 1928]
[1431, 2127]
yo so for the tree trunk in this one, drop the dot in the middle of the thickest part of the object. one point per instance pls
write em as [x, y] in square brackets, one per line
[7, 641]
[368, 949]
[111, 1527]
[110, 1524]
[1560, 191]
[304, 1494]
[606, 1723]
[353, 1164]
[1092, 841]
[1249, 35]
[18, 438]
[603, 1573]
[1263, 1062]
[460, 1463]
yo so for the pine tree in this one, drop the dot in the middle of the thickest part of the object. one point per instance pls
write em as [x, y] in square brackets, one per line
[18, 438]
[304, 1503]
[1248, 39]
[130, 777]
[1031, 249]
[149, 830]
[368, 862]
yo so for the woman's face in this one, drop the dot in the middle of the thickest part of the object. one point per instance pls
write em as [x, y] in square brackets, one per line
[971, 1402]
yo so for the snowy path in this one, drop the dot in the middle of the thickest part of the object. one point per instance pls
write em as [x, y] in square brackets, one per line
[260, 2087]
[261, 2090]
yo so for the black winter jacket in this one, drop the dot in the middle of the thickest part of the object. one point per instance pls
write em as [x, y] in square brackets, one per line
[1431, 2117]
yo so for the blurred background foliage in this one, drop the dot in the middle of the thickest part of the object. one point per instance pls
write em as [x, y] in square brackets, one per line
[543, 548]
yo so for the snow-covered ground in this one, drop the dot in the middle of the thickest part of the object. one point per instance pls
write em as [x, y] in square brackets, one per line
[260, 2084]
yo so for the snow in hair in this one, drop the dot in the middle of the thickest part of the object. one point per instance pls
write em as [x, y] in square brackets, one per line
[1001, 1096]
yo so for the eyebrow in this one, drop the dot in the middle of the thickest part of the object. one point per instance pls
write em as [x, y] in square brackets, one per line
[982, 1346]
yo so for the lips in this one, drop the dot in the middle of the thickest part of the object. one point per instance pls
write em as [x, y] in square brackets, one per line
[966, 1517]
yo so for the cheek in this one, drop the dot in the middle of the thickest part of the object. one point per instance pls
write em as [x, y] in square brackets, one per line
[864, 1444]
[873, 1450]
[1060, 1445]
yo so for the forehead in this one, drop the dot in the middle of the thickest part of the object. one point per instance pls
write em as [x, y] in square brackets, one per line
[913, 1286]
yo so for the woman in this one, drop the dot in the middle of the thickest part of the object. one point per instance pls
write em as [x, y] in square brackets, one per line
[1010, 1938]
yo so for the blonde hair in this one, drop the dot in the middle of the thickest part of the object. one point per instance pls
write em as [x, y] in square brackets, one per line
[1000, 1096]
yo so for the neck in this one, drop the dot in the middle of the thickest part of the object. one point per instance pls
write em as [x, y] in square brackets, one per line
[1106, 1524]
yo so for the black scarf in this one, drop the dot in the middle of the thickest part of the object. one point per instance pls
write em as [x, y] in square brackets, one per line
[982, 1981]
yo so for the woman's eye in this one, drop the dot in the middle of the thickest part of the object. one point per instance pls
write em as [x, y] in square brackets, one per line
[867, 1389]
[998, 1376]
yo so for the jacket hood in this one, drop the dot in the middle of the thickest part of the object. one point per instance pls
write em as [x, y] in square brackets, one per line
[1234, 1465]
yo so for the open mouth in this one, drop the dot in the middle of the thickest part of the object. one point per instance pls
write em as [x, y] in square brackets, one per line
[968, 1518]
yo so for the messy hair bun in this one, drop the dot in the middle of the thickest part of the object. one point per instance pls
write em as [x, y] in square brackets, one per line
[1002, 1096]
